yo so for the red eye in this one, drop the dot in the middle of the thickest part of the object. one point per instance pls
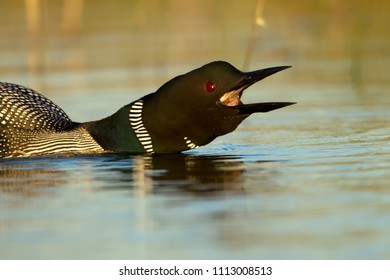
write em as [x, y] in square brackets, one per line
[209, 87]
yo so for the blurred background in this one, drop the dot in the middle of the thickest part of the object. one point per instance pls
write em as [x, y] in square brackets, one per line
[81, 47]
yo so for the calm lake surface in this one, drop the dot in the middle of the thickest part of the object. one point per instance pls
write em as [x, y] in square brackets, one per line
[310, 181]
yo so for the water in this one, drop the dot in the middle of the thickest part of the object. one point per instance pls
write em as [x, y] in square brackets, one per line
[309, 181]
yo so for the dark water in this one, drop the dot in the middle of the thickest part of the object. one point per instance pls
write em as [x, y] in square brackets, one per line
[307, 181]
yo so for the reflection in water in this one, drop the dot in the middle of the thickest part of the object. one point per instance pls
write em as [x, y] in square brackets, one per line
[162, 179]
[181, 172]
[197, 173]
[23, 177]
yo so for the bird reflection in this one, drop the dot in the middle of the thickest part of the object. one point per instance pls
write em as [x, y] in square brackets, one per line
[194, 173]
[200, 174]
[28, 178]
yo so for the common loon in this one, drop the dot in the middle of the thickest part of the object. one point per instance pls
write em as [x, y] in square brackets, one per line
[189, 111]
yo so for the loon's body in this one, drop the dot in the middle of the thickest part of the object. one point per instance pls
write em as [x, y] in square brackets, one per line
[188, 111]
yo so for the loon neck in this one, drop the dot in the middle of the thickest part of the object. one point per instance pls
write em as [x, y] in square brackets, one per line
[115, 133]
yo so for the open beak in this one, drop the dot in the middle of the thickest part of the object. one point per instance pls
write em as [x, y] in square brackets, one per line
[232, 99]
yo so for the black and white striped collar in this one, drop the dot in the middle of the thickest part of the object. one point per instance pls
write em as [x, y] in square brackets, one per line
[135, 118]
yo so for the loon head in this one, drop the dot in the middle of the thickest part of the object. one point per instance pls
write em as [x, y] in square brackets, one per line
[193, 109]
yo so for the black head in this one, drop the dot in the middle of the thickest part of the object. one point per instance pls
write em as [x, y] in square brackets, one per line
[193, 109]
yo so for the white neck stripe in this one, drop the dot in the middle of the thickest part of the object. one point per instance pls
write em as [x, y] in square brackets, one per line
[135, 118]
[190, 144]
